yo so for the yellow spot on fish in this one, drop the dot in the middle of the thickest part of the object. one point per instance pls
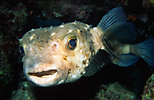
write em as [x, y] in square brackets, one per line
[65, 57]
[84, 62]
[77, 66]
[40, 48]
[87, 55]
[69, 71]
[88, 26]
[78, 31]
[45, 30]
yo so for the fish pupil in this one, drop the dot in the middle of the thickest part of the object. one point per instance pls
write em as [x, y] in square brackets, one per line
[72, 43]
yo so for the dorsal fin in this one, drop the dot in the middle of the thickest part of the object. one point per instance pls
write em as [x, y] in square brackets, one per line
[115, 26]
[124, 33]
[114, 16]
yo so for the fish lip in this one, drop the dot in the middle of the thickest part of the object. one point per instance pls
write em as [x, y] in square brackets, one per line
[46, 79]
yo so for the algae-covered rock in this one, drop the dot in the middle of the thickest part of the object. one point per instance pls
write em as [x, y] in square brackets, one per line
[24, 92]
[12, 22]
[114, 91]
[19, 16]
[148, 93]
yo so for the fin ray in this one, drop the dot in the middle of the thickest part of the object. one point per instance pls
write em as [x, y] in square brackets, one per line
[124, 33]
[126, 60]
[115, 26]
[145, 50]
[115, 16]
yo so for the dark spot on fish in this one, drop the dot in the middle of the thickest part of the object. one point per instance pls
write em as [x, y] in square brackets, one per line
[22, 50]
[91, 49]
[88, 29]
[65, 57]
[80, 31]
[77, 66]
[84, 62]
[40, 48]
[69, 71]
[55, 45]
[46, 30]
[41, 41]
[58, 40]
[87, 55]
[38, 37]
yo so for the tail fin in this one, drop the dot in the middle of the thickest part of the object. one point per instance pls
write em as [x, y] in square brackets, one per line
[145, 50]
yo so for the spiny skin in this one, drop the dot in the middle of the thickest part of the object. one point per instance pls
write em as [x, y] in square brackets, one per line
[49, 60]
[65, 53]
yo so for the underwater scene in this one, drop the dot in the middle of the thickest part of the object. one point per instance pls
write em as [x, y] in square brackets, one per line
[76, 50]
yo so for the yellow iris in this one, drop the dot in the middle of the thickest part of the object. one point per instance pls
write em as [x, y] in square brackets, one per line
[72, 41]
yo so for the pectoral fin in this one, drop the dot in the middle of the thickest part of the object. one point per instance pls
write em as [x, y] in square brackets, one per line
[126, 60]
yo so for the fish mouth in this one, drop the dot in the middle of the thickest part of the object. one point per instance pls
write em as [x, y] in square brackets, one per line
[45, 76]
[43, 73]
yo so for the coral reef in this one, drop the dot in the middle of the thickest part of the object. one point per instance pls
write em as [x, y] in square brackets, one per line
[114, 91]
[148, 93]
[61, 9]
[17, 17]
[148, 3]
[12, 22]
[24, 92]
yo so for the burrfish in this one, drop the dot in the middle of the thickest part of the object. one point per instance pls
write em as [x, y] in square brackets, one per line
[65, 53]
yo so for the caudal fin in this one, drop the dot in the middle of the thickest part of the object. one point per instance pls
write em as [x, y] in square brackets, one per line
[145, 50]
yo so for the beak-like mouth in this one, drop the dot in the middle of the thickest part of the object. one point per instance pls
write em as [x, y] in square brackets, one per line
[43, 73]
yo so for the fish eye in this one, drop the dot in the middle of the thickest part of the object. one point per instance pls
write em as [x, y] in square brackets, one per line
[72, 42]
[21, 49]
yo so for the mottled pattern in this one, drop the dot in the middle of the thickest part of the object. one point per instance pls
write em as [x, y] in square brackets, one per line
[62, 54]
[49, 60]
[148, 93]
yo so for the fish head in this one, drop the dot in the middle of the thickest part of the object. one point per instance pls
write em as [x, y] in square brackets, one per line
[56, 55]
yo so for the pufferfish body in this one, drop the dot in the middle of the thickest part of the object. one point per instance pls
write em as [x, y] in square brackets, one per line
[63, 54]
